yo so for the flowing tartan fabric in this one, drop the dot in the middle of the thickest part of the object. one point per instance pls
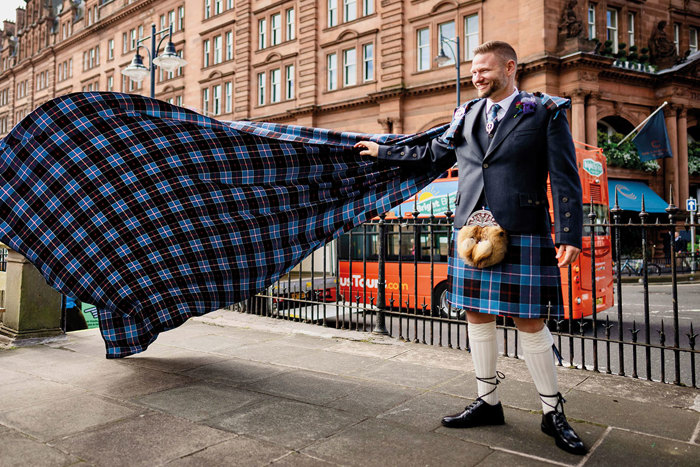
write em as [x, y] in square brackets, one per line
[156, 214]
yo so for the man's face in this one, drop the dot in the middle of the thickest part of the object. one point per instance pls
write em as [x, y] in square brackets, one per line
[490, 75]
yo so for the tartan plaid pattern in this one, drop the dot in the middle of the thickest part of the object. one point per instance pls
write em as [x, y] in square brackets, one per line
[156, 214]
[523, 285]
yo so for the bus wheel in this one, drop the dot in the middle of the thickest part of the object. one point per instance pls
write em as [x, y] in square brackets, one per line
[440, 305]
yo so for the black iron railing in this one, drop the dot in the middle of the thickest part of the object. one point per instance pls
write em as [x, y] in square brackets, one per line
[641, 334]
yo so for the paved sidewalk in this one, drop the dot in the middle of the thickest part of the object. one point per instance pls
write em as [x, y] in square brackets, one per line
[235, 389]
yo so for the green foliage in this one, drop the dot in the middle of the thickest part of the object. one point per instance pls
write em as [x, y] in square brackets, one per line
[694, 158]
[624, 155]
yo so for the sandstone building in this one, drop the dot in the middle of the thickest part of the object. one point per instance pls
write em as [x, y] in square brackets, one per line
[368, 65]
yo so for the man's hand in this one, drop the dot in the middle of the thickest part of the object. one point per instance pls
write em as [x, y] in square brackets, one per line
[567, 254]
[370, 148]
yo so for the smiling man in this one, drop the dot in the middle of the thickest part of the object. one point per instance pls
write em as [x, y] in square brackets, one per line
[506, 143]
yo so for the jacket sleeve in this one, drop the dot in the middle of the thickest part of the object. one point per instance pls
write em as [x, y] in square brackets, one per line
[565, 182]
[429, 152]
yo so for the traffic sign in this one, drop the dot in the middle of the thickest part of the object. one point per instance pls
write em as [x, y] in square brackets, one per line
[691, 205]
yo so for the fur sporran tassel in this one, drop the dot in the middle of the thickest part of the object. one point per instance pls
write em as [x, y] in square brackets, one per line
[482, 247]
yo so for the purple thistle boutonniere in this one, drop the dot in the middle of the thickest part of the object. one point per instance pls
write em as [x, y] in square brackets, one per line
[525, 106]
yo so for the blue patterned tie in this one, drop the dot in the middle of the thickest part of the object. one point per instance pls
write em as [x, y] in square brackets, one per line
[491, 121]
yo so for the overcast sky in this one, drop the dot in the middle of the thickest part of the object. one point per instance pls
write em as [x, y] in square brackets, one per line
[8, 7]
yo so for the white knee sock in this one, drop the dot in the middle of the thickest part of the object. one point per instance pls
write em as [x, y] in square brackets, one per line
[537, 349]
[482, 340]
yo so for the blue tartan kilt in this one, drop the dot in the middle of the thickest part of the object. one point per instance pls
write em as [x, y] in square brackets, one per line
[526, 284]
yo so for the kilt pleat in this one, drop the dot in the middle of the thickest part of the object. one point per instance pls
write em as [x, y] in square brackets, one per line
[526, 284]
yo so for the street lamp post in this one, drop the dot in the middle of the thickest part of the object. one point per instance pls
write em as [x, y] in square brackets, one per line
[442, 58]
[168, 60]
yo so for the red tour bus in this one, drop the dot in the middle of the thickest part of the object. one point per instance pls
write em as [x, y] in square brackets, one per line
[417, 253]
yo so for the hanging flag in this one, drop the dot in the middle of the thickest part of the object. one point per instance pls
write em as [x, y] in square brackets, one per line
[652, 141]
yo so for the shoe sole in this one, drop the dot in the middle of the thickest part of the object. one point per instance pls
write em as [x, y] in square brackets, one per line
[501, 422]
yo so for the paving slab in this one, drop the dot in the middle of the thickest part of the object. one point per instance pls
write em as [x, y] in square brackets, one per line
[32, 391]
[309, 342]
[625, 448]
[522, 434]
[238, 451]
[11, 376]
[504, 458]
[237, 371]
[297, 459]
[291, 424]
[643, 417]
[372, 399]
[328, 361]
[425, 411]
[459, 360]
[304, 386]
[18, 450]
[378, 442]
[381, 349]
[144, 440]
[52, 420]
[198, 402]
[512, 393]
[409, 374]
[138, 381]
[172, 359]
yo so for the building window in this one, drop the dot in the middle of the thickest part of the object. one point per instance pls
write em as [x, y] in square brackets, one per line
[275, 85]
[471, 36]
[207, 9]
[162, 22]
[611, 28]
[332, 62]
[228, 90]
[693, 40]
[289, 82]
[132, 41]
[178, 101]
[591, 21]
[261, 88]
[181, 18]
[217, 50]
[229, 45]
[229, 4]
[676, 36]
[446, 40]
[216, 101]
[110, 49]
[367, 7]
[205, 100]
[276, 29]
[368, 62]
[349, 10]
[349, 67]
[110, 83]
[630, 29]
[125, 43]
[218, 7]
[423, 37]
[290, 24]
[262, 29]
[332, 13]
[206, 53]
[171, 20]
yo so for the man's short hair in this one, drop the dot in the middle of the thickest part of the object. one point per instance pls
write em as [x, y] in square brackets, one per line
[503, 49]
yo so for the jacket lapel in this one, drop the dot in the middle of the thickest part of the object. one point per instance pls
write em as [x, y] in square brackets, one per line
[470, 120]
[507, 124]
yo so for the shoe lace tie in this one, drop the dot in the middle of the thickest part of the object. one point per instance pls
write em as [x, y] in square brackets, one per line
[496, 381]
[558, 406]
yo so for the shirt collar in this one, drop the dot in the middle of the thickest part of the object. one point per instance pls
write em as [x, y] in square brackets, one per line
[504, 103]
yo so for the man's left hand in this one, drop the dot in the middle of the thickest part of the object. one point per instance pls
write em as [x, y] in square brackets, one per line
[567, 254]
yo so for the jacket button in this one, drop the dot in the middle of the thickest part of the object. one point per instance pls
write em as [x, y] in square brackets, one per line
[486, 166]
[414, 155]
[388, 153]
[568, 214]
[565, 199]
[566, 229]
[402, 153]
[529, 201]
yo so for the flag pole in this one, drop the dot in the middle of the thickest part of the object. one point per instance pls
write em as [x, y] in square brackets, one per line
[642, 124]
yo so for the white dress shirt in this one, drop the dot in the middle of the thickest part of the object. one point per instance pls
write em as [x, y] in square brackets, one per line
[504, 103]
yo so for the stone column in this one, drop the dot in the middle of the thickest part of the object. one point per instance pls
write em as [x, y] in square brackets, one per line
[683, 184]
[32, 308]
[592, 120]
[671, 176]
[578, 116]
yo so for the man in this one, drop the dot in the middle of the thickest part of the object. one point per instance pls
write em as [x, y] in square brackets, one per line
[506, 143]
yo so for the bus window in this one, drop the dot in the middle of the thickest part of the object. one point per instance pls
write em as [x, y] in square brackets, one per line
[602, 216]
[352, 243]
